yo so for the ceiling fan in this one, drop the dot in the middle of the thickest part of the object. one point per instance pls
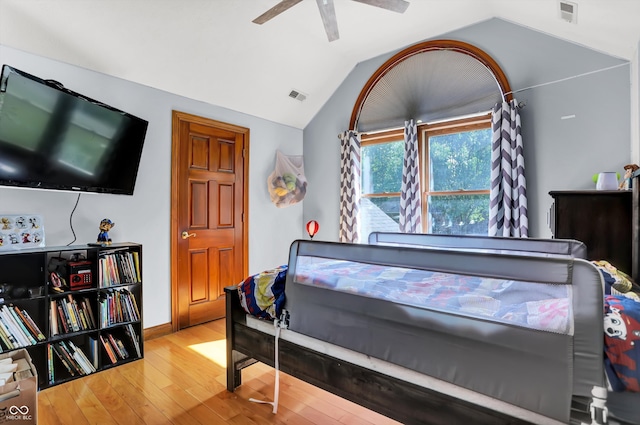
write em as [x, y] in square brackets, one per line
[328, 13]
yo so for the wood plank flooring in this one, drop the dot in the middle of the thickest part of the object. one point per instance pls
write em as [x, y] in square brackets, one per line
[182, 380]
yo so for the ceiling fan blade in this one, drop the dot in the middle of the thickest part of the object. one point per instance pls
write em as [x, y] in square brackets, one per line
[275, 11]
[328, 13]
[394, 5]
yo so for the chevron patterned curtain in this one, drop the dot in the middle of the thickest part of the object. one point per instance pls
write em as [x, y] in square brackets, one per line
[349, 185]
[410, 206]
[508, 193]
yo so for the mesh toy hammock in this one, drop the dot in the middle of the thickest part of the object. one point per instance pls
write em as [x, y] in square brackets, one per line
[287, 184]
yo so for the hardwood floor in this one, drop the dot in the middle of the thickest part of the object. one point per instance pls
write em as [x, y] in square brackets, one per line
[182, 380]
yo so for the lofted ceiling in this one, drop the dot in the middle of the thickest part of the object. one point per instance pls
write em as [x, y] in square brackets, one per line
[210, 50]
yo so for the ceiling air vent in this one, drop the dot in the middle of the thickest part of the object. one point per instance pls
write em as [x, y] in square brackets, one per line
[297, 95]
[568, 11]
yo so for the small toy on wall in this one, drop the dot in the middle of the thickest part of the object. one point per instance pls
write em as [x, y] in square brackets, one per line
[103, 236]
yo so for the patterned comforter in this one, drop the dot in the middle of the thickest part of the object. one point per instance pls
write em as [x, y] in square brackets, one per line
[538, 306]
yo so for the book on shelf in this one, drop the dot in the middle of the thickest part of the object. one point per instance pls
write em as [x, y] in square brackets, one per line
[64, 349]
[93, 351]
[74, 314]
[23, 339]
[118, 346]
[53, 318]
[6, 342]
[73, 358]
[16, 332]
[88, 310]
[79, 356]
[117, 306]
[33, 327]
[17, 329]
[133, 337]
[118, 268]
[64, 359]
[51, 374]
[108, 349]
[136, 262]
[63, 320]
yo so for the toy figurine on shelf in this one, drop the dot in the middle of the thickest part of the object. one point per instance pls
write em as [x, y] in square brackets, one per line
[103, 236]
[627, 181]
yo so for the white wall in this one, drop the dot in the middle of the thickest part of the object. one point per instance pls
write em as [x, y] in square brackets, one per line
[145, 216]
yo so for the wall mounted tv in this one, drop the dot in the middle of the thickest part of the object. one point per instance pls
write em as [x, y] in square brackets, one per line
[54, 138]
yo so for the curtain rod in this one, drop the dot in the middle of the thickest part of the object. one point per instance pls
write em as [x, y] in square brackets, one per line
[568, 78]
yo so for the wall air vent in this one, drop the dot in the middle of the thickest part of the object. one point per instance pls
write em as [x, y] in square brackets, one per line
[568, 11]
[295, 94]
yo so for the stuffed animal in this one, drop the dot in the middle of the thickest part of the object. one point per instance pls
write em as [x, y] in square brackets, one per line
[105, 226]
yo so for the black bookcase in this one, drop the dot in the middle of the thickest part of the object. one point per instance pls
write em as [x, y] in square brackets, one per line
[76, 309]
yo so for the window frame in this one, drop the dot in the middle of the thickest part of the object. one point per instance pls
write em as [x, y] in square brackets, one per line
[388, 136]
[477, 122]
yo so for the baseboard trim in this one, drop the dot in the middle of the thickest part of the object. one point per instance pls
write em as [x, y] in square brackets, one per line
[157, 331]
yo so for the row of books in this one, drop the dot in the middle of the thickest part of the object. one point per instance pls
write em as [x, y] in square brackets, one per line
[116, 349]
[17, 328]
[74, 360]
[117, 306]
[77, 363]
[118, 268]
[71, 314]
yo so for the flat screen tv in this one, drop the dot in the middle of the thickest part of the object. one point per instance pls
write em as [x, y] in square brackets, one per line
[54, 138]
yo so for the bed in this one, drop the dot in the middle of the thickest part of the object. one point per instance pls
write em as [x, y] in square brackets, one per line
[339, 339]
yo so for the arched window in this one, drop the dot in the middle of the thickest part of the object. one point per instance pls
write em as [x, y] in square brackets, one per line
[449, 88]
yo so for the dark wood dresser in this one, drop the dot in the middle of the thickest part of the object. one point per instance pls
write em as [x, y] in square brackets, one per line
[602, 219]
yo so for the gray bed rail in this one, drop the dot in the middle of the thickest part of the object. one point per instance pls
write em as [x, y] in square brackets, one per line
[568, 247]
[532, 369]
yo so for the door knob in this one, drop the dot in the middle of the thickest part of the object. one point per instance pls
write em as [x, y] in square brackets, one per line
[186, 235]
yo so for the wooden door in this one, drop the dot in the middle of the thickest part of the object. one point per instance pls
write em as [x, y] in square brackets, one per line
[209, 228]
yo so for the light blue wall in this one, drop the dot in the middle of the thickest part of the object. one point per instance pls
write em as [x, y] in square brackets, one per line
[145, 216]
[560, 154]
